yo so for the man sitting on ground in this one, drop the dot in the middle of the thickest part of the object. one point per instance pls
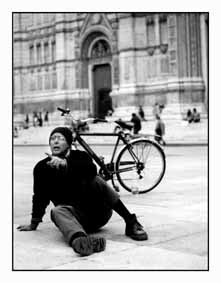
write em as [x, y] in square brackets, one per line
[83, 201]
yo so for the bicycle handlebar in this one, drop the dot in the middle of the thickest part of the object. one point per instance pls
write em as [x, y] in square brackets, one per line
[64, 111]
[87, 120]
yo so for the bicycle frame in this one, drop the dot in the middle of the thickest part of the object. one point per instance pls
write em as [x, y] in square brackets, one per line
[108, 173]
[107, 170]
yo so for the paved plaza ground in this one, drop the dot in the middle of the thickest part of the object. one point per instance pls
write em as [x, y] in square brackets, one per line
[174, 214]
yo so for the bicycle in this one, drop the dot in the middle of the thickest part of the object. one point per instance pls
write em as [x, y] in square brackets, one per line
[139, 166]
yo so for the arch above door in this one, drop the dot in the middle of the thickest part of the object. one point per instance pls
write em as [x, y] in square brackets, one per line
[96, 72]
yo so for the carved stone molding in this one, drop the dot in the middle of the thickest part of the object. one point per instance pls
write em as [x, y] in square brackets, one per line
[96, 19]
[100, 49]
[162, 18]
[151, 50]
[149, 20]
[163, 48]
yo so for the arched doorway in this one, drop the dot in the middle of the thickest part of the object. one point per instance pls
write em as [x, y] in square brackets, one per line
[100, 57]
[97, 73]
[101, 90]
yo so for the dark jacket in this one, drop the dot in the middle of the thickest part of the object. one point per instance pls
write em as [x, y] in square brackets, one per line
[61, 186]
[137, 123]
[160, 128]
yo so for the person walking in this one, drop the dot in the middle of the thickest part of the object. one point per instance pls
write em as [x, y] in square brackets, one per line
[40, 120]
[83, 201]
[46, 118]
[160, 130]
[156, 110]
[35, 119]
[136, 123]
[141, 113]
[26, 121]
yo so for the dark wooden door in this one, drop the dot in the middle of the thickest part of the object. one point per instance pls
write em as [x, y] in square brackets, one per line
[102, 88]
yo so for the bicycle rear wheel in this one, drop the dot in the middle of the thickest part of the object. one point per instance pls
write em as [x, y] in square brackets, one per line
[140, 166]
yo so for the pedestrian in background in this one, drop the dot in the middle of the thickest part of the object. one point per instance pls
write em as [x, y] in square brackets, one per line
[141, 113]
[46, 118]
[196, 116]
[40, 120]
[189, 116]
[136, 123]
[15, 132]
[26, 121]
[35, 119]
[160, 131]
[156, 110]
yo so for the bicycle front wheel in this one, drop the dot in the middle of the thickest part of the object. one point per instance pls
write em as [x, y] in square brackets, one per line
[140, 166]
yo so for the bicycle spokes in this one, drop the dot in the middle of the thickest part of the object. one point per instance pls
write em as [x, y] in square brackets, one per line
[142, 164]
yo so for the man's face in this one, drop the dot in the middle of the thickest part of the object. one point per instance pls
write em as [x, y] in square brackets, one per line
[58, 144]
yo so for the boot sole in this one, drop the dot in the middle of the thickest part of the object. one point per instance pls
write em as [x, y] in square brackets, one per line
[143, 237]
[88, 245]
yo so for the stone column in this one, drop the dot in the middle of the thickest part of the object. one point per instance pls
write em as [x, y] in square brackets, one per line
[157, 29]
[60, 56]
[115, 57]
[188, 40]
[34, 53]
[140, 53]
[125, 99]
[157, 43]
[172, 36]
[190, 82]
[204, 52]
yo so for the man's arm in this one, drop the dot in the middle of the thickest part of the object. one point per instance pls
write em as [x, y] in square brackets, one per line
[39, 201]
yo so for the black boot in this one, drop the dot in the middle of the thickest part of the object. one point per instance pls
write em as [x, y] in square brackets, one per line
[135, 230]
[88, 245]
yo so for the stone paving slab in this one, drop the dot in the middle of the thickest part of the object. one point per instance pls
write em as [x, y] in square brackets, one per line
[174, 215]
[45, 249]
[170, 245]
[129, 257]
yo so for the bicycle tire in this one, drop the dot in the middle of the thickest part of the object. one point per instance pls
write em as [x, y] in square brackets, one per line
[127, 172]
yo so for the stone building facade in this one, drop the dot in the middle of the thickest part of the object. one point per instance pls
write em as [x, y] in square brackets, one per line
[85, 60]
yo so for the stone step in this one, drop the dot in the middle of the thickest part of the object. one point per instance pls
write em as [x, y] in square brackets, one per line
[177, 131]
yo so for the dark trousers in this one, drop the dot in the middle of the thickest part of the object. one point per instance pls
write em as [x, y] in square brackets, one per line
[100, 199]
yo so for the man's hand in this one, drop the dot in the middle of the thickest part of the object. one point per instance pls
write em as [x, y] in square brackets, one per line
[29, 227]
[56, 162]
